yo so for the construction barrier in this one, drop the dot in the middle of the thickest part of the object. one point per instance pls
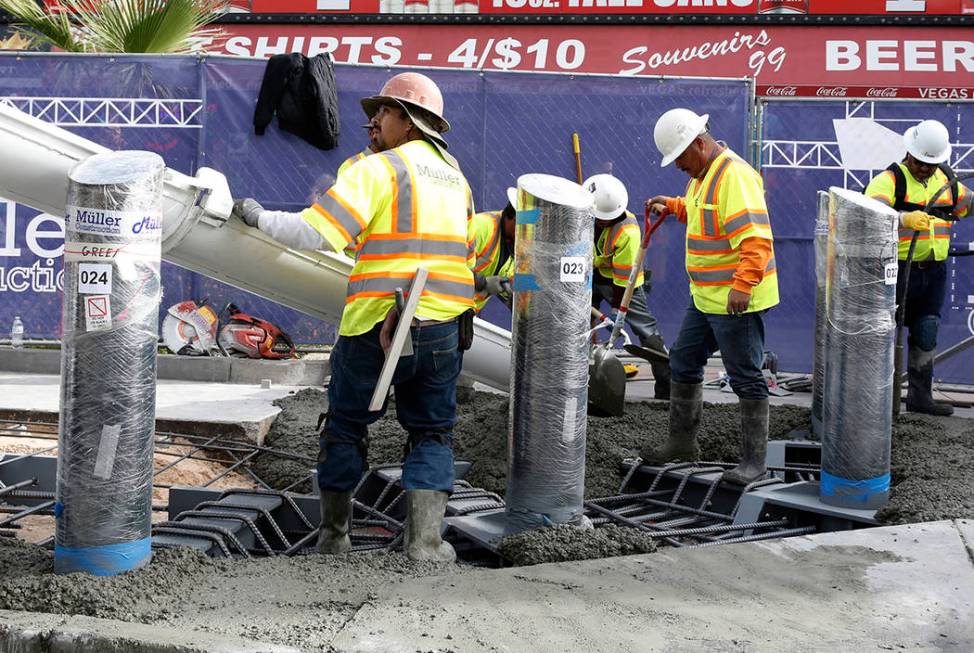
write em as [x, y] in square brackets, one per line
[199, 112]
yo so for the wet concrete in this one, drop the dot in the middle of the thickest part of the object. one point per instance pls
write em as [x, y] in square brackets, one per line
[931, 456]
[481, 437]
[302, 601]
[564, 543]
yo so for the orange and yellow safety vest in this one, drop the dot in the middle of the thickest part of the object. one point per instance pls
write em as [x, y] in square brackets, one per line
[724, 208]
[616, 249]
[410, 209]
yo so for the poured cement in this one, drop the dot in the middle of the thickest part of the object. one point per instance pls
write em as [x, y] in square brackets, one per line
[564, 543]
[302, 601]
[931, 456]
[481, 437]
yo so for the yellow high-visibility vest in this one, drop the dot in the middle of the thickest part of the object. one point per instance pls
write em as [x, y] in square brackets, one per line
[932, 244]
[355, 158]
[411, 209]
[485, 250]
[724, 208]
[616, 249]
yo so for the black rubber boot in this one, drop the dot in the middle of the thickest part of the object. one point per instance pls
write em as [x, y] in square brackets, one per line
[754, 443]
[661, 371]
[425, 518]
[919, 394]
[686, 407]
[336, 513]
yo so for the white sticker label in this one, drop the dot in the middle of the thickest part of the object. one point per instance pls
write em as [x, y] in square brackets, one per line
[573, 269]
[102, 222]
[892, 270]
[94, 278]
[98, 313]
[569, 427]
[107, 447]
[109, 252]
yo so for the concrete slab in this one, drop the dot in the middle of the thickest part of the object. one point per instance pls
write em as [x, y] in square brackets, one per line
[903, 587]
[239, 411]
[32, 632]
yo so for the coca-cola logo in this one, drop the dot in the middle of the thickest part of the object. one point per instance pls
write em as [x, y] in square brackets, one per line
[783, 6]
[782, 91]
[881, 92]
[831, 91]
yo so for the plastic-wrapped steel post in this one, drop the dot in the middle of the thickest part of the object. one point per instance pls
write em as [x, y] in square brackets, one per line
[108, 363]
[861, 299]
[821, 265]
[549, 383]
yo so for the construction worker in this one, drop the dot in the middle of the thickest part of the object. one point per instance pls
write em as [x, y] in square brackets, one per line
[907, 187]
[492, 250]
[617, 241]
[730, 262]
[411, 206]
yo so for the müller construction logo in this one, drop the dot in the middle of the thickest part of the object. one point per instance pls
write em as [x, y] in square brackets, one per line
[122, 224]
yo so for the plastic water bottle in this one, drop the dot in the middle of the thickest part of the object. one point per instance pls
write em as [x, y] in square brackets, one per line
[17, 333]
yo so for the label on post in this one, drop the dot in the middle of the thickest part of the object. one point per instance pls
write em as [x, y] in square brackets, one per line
[94, 278]
[892, 270]
[572, 269]
[98, 313]
[102, 222]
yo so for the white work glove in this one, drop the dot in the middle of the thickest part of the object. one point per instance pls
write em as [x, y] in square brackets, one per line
[497, 285]
[248, 210]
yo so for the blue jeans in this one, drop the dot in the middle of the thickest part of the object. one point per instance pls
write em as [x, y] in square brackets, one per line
[741, 344]
[924, 298]
[639, 319]
[426, 407]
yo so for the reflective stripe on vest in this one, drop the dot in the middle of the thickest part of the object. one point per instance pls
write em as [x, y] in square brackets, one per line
[486, 254]
[418, 218]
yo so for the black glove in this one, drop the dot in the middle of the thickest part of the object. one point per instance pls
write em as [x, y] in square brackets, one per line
[497, 285]
[248, 210]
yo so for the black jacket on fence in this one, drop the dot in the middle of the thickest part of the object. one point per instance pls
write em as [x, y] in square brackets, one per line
[304, 94]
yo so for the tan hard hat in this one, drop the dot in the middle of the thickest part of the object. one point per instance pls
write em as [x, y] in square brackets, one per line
[412, 91]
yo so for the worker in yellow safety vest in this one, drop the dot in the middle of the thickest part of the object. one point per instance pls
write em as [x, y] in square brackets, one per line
[733, 281]
[617, 242]
[907, 187]
[492, 252]
[411, 207]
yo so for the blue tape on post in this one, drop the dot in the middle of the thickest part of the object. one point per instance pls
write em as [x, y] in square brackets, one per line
[105, 560]
[528, 217]
[525, 283]
[832, 486]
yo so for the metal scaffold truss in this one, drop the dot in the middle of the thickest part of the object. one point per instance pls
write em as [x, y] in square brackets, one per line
[111, 112]
[826, 155]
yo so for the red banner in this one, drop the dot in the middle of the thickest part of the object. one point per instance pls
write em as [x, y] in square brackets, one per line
[740, 7]
[786, 61]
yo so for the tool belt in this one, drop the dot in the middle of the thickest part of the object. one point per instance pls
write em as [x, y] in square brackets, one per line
[465, 331]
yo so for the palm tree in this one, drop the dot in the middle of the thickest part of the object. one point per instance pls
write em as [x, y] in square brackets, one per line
[170, 26]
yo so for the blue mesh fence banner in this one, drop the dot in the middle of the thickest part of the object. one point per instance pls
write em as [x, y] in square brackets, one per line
[811, 145]
[200, 113]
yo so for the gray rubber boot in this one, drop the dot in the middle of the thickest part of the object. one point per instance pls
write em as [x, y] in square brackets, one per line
[423, 523]
[754, 443]
[686, 407]
[336, 513]
[919, 394]
[661, 371]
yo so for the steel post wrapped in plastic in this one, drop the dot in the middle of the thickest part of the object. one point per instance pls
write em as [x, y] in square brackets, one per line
[818, 368]
[549, 383]
[112, 289]
[861, 300]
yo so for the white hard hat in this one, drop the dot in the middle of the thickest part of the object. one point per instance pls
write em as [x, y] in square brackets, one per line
[609, 195]
[512, 196]
[675, 130]
[928, 142]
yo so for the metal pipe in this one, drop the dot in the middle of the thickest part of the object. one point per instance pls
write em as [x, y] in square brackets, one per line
[821, 319]
[112, 289]
[861, 300]
[551, 309]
